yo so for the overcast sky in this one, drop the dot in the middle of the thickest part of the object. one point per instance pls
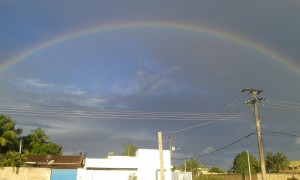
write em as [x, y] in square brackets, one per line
[170, 66]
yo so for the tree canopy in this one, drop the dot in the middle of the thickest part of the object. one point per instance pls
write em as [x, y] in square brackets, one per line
[276, 162]
[35, 143]
[240, 164]
[192, 165]
[129, 149]
[215, 169]
[8, 134]
[13, 159]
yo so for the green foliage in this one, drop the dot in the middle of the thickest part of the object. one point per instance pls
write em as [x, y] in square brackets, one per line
[215, 170]
[276, 162]
[129, 149]
[12, 159]
[240, 164]
[192, 165]
[8, 134]
[36, 144]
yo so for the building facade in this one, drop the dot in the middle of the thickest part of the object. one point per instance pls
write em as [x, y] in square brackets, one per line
[144, 166]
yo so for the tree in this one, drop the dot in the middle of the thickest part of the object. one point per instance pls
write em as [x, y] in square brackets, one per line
[36, 144]
[240, 164]
[215, 170]
[12, 159]
[8, 134]
[192, 165]
[129, 149]
[276, 162]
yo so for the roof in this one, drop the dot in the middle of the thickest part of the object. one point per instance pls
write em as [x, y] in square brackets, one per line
[295, 163]
[57, 162]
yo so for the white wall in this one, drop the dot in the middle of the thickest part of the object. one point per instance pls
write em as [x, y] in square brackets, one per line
[83, 174]
[146, 162]
[112, 162]
[149, 164]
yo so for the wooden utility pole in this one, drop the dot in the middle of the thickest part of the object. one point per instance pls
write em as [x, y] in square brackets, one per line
[255, 102]
[161, 157]
[249, 165]
[171, 138]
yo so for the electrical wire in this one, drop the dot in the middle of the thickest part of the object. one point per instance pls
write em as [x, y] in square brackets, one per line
[224, 147]
[202, 124]
[267, 132]
[284, 102]
[284, 105]
[282, 108]
[109, 114]
[230, 101]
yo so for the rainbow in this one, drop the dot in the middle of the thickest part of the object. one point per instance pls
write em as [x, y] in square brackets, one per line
[152, 24]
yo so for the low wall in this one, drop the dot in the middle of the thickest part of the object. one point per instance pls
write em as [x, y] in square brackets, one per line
[275, 176]
[279, 176]
[24, 173]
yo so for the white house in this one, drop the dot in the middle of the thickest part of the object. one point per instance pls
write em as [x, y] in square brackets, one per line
[145, 166]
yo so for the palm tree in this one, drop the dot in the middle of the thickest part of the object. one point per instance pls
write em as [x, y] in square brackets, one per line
[276, 162]
[270, 162]
[38, 136]
[282, 161]
[193, 165]
[129, 149]
[8, 134]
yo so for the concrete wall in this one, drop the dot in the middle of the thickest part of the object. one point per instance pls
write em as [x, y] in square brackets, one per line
[83, 174]
[274, 176]
[24, 173]
[279, 176]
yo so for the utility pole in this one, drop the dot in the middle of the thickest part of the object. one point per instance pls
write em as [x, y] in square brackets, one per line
[171, 138]
[21, 143]
[161, 158]
[249, 166]
[255, 102]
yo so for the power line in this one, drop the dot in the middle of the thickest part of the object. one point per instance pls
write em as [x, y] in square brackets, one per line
[283, 108]
[283, 102]
[202, 124]
[230, 101]
[266, 132]
[224, 147]
[109, 114]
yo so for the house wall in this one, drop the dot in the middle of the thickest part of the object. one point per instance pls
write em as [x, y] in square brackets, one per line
[149, 164]
[182, 176]
[112, 162]
[65, 174]
[24, 173]
[83, 174]
[146, 162]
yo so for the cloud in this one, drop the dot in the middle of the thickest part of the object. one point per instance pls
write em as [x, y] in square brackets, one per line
[135, 136]
[145, 83]
[34, 83]
[208, 150]
[73, 90]
[94, 101]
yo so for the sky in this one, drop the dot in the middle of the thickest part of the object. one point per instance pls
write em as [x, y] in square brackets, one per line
[98, 74]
